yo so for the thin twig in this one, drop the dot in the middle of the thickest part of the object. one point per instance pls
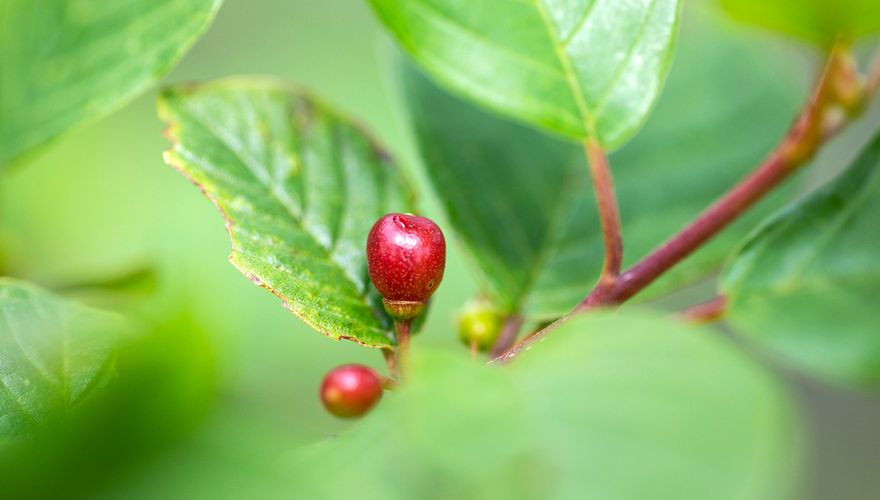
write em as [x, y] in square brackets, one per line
[609, 215]
[526, 343]
[388, 383]
[508, 335]
[707, 312]
[391, 361]
[402, 328]
[801, 142]
[798, 146]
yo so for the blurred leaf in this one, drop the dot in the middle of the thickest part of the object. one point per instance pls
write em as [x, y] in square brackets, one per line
[522, 202]
[586, 68]
[53, 354]
[64, 61]
[623, 407]
[164, 390]
[819, 21]
[299, 186]
[806, 284]
[113, 290]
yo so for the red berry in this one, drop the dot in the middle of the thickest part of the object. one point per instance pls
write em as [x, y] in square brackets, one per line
[406, 256]
[350, 391]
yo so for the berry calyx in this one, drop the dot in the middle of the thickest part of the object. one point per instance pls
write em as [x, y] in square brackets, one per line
[350, 391]
[406, 256]
[479, 325]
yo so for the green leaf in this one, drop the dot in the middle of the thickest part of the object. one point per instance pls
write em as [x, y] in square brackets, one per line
[806, 284]
[818, 21]
[483, 170]
[587, 68]
[53, 354]
[63, 62]
[622, 407]
[299, 187]
[522, 203]
[165, 389]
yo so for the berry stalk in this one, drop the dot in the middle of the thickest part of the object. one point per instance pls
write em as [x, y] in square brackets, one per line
[402, 329]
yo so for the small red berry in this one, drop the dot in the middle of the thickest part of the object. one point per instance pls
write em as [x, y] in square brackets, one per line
[349, 391]
[406, 256]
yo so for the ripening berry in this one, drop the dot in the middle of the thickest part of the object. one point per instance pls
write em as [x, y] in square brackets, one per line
[406, 255]
[349, 391]
[479, 324]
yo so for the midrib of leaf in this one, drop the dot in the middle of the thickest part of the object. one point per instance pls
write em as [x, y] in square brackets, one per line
[40, 370]
[49, 317]
[19, 404]
[93, 383]
[571, 78]
[289, 210]
[11, 395]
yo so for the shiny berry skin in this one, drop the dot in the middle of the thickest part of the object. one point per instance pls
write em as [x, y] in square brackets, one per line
[349, 391]
[406, 256]
[479, 324]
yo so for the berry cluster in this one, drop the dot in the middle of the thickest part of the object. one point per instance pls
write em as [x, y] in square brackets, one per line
[406, 257]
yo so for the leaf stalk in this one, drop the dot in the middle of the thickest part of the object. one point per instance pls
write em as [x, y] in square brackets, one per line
[838, 96]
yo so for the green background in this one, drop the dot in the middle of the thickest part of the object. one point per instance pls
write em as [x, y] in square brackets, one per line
[101, 200]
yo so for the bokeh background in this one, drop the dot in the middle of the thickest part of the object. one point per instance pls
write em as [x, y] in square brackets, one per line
[100, 202]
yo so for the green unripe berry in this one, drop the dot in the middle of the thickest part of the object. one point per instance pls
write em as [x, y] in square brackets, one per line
[479, 325]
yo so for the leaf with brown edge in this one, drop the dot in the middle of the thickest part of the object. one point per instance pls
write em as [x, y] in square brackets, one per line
[299, 187]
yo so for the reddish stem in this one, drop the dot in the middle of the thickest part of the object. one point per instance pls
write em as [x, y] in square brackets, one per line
[813, 126]
[706, 312]
[391, 361]
[402, 328]
[508, 335]
[609, 215]
[799, 145]
[388, 383]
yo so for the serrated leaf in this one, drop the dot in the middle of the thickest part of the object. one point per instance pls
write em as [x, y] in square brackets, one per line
[63, 62]
[622, 407]
[583, 68]
[53, 354]
[299, 187]
[818, 21]
[522, 203]
[806, 284]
